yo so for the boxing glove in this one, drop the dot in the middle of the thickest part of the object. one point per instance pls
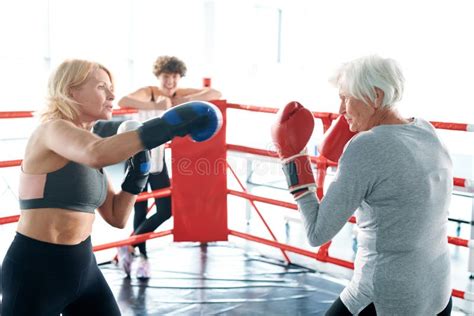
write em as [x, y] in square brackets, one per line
[335, 139]
[127, 126]
[138, 166]
[201, 120]
[136, 175]
[290, 134]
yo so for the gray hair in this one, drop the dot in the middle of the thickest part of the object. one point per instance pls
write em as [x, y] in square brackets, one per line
[359, 78]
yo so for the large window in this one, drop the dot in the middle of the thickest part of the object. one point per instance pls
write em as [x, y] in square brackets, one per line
[260, 52]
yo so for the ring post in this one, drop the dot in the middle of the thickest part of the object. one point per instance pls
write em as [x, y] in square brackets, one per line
[199, 186]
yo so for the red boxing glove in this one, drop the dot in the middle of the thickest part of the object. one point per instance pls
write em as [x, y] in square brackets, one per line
[290, 134]
[335, 138]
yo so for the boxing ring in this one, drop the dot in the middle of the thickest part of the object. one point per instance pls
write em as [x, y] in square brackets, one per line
[200, 174]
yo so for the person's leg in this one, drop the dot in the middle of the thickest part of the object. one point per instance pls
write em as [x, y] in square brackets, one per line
[163, 212]
[369, 310]
[163, 205]
[125, 252]
[95, 297]
[41, 278]
[447, 310]
[338, 309]
[139, 217]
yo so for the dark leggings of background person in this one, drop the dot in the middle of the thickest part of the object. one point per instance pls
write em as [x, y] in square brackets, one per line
[141, 224]
[339, 309]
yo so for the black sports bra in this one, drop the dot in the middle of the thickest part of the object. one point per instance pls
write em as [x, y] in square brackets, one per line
[75, 187]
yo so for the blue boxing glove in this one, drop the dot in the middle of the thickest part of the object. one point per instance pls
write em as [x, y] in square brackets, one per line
[138, 166]
[199, 119]
[138, 170]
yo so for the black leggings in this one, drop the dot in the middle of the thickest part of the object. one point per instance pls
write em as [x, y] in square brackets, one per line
[339, 309]
[47, 279]
[141, 224]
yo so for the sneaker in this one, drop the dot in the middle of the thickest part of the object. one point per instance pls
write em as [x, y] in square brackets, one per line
[125, 259]
[143, 269]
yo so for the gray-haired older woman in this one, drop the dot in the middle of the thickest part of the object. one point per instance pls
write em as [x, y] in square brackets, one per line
[395, 175]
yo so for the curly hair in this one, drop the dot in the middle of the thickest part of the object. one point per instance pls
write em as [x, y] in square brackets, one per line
[169, 64]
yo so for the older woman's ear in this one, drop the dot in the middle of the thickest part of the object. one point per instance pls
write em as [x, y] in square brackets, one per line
[379, 96]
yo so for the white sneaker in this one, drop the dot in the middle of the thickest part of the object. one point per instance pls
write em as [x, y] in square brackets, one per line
[125, 259]
[143, 269]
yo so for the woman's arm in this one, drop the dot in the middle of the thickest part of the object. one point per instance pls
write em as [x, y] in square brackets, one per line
[117, 207]
[142, 100]
[186, 95]
[353, 182]
[79, 145]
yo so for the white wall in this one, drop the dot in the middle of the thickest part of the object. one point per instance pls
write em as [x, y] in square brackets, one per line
[251, 56]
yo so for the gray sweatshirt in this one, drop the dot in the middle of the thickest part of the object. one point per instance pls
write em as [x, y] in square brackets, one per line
[397, 179]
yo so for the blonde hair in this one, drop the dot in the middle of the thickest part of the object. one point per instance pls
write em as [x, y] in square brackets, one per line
[71, 73]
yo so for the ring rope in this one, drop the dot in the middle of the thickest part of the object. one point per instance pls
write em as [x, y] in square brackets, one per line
[322, 163]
